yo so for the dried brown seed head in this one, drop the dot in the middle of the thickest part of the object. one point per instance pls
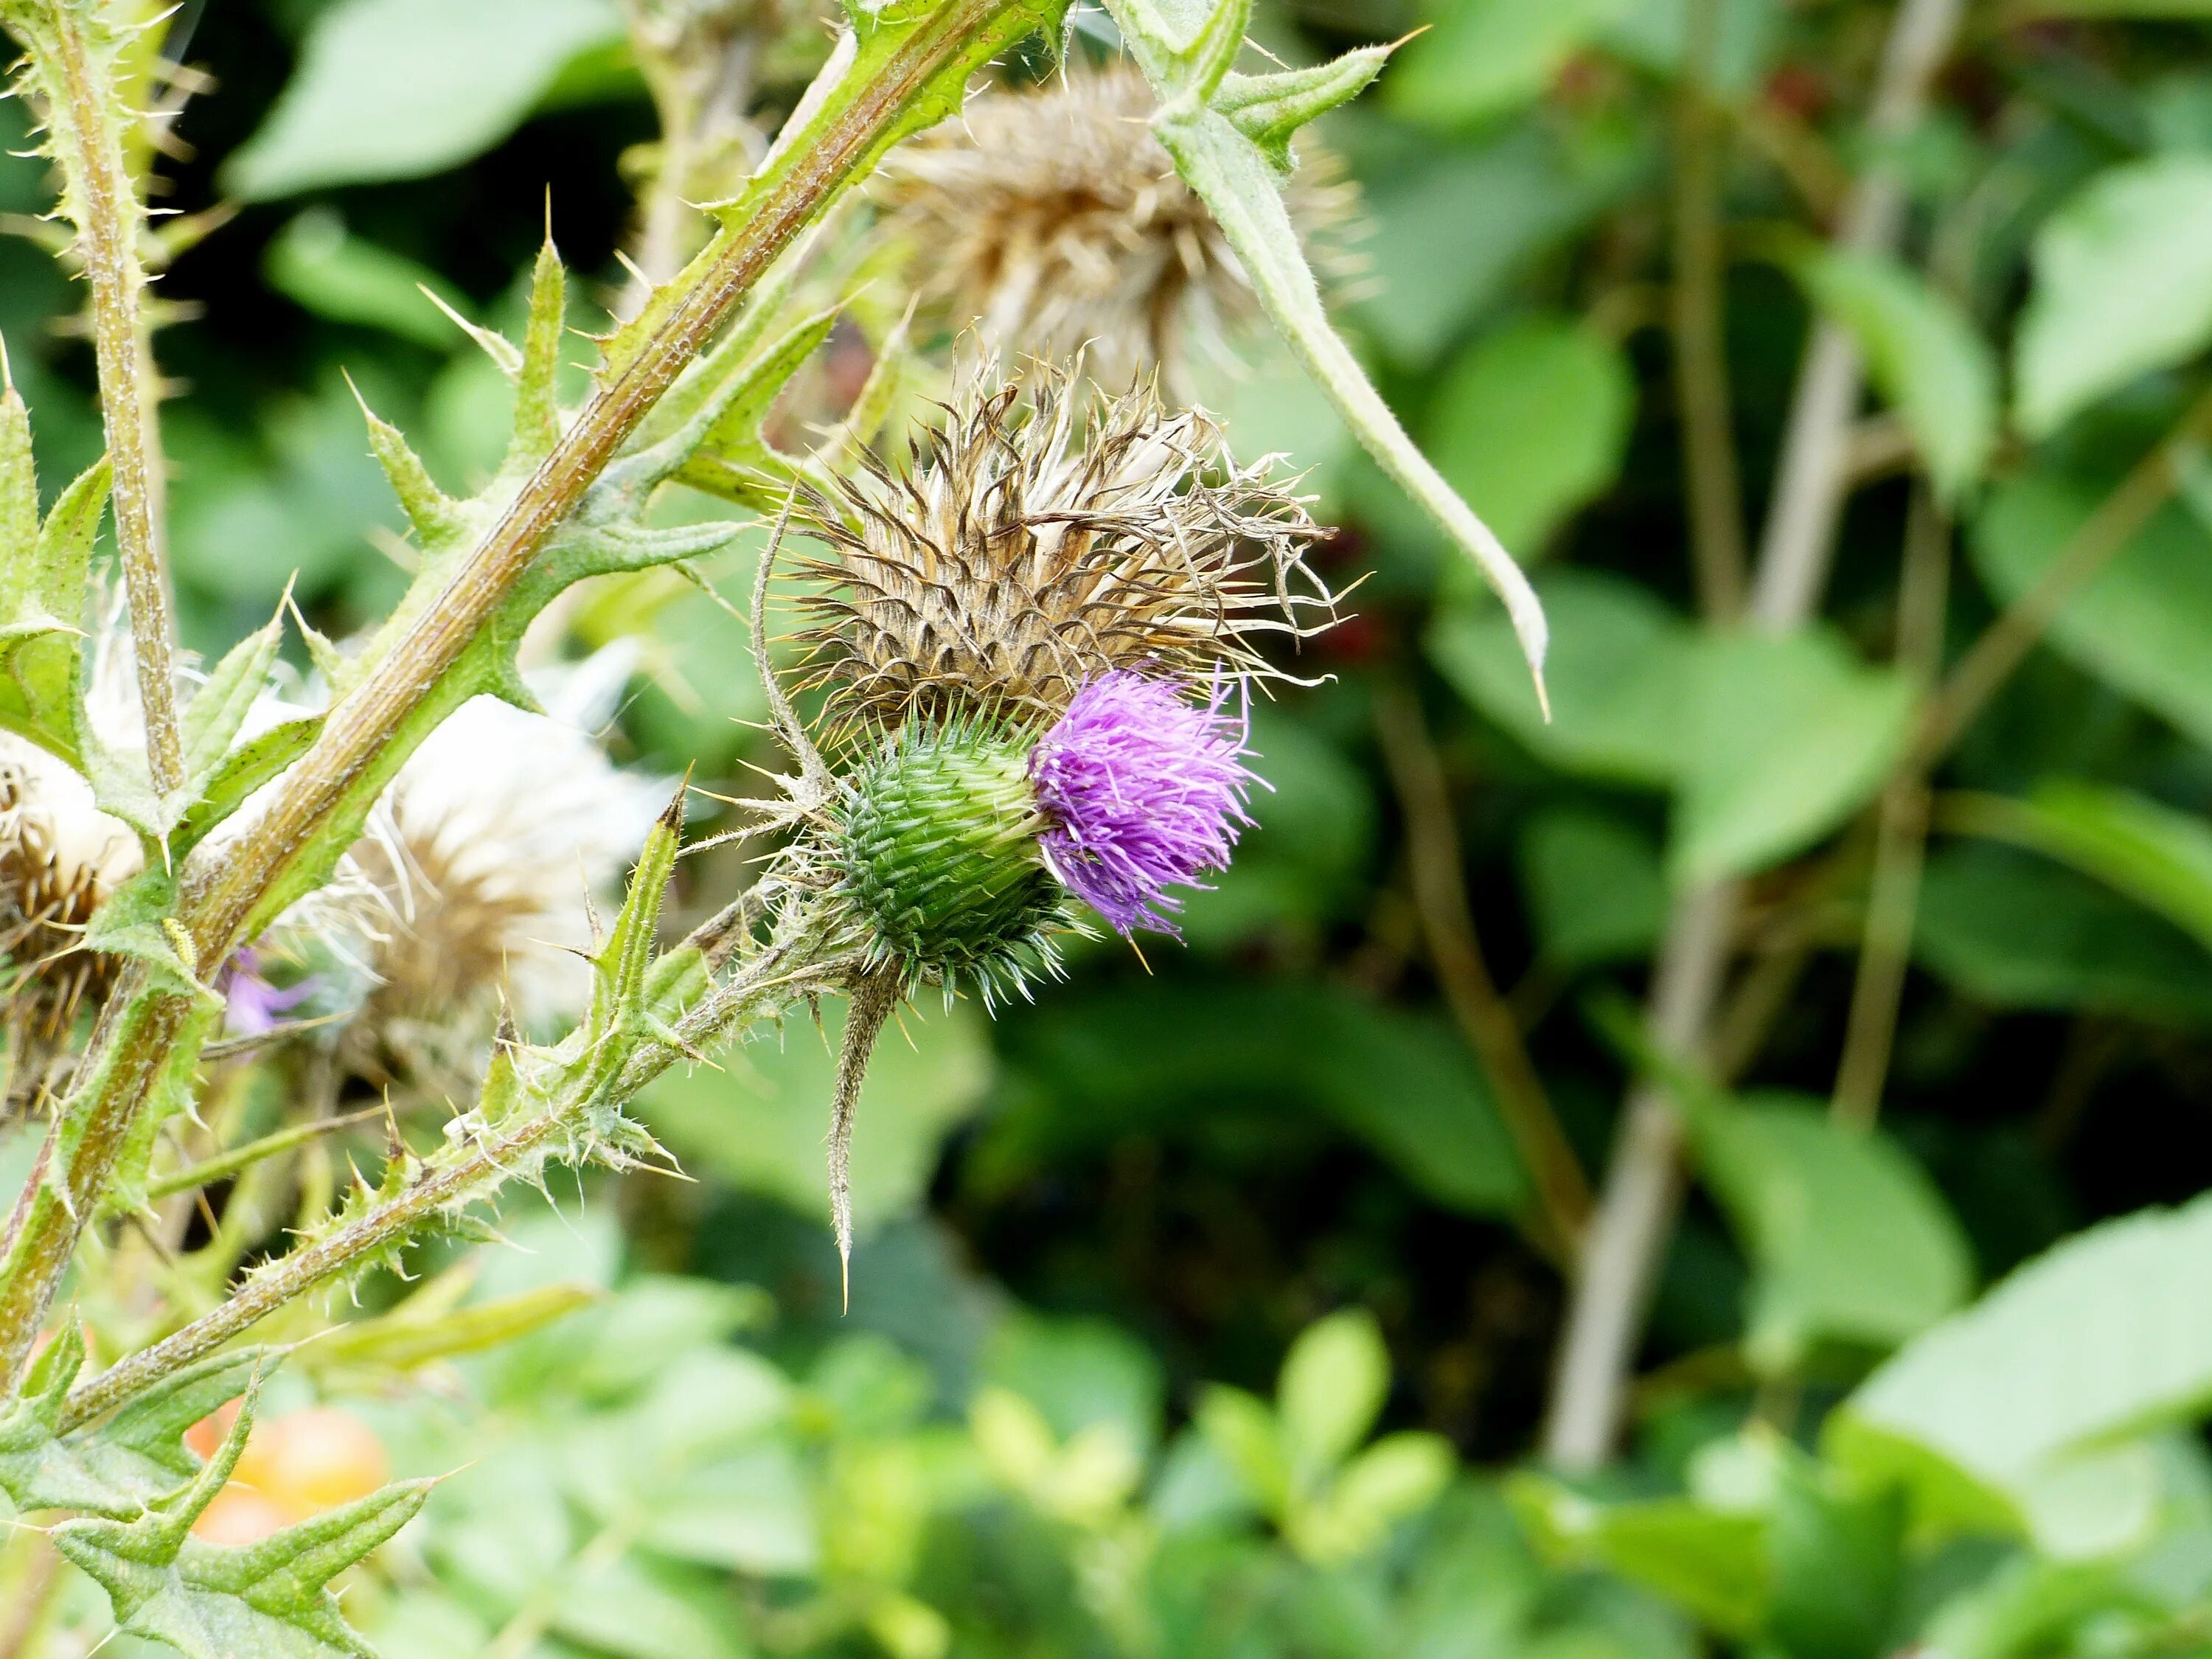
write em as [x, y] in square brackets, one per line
[1039, 538]
[1052, 221]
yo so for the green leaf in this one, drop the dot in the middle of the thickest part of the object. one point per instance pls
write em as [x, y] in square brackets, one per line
[1529, 425]
[1486, 57]
[244, 771]
[1397, 1477]
[1790, 736]
[1079, 1373]
[2160, 857]
[1924, 355]
[397, 88]
[2019, 931]
[1333, 1382]
[116, 1468]
[2123, 286]
[1270, 109]
[44, 569]
[409, 1337]
[2038, 1392]
[220, 706]
[2143, 623]
[757, 1122]
[1239, 184]
[1456, 225]
[1850, 1240]
[1619, 675]
[1243, 1433]
[264, 1600]
[317, 262]
[1594, 884]
[1167, 1058]
[1712, 1562]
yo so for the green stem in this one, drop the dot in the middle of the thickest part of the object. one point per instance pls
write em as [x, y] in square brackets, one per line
[224, 1166]
[767, 984]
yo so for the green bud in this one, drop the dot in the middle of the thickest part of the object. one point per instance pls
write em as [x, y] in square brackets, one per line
[939, 850]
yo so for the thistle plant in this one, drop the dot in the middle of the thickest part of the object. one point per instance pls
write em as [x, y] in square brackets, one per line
[1030, 644]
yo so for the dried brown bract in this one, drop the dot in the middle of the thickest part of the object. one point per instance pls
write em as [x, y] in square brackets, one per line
[1039, 538]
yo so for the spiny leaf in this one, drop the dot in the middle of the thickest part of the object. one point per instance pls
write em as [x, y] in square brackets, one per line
[117, 1467]
[242, 772]
[218, 709]
[266, 1601]
[537, 404]
[130, 923]
[437, 518]
[623, 964]
[1269, 109]
[730, 455]
[1232, 167]
[169, 1095]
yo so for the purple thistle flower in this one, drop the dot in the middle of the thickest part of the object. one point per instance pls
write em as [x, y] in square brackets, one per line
[1145, 791]
[252, 1005]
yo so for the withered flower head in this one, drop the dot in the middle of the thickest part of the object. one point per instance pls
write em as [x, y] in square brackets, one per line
[60, 859]
[1038, 539]
[1053, 220]
[488, 847]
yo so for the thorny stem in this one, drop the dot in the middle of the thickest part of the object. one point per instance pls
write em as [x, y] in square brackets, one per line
[767, 983]
[1901, 833]
[142, 1026]
[1446, 922]
[1643, 1184]
[224, 1166]
[83, 114]
[1714, 490]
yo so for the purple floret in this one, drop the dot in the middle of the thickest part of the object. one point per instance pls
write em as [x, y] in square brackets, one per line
[1145, 791]
[252, 1007]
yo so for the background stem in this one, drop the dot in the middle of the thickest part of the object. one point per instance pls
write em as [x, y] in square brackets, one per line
[1447, 919]
[1701, 383]
[1642, 1191]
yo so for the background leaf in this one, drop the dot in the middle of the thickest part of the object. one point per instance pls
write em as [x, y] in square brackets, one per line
[2122, 285]
[395, 89]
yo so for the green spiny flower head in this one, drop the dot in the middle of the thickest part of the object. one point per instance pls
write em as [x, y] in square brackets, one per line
[938, 855]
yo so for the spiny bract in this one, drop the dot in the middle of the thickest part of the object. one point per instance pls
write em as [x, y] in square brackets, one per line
[1040, 539]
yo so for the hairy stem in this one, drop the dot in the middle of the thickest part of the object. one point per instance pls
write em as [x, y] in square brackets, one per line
[767, 984]
[1701, 383]
[848, 120]
[87, 117]
[1642, 1190]
[1447, 919]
